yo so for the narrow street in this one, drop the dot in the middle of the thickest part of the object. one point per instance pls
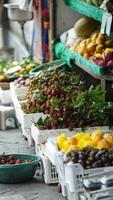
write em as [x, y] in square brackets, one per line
[12, 141]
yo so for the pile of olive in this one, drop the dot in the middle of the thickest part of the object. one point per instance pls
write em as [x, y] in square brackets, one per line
[91, 158]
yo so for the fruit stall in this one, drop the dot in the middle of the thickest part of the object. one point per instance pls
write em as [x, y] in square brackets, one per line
[68, 123]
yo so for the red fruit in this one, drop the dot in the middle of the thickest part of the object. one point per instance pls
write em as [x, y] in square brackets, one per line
[53, 92]
[46, 112]
[37, 105]
[49, 97]
[47, 105]
[59, 114]
[49, 91]
[52, 110]
[68, 97]
[18, 161]
[30, 104]
[54, 124]
[65, 116]
[62, 96]
[45, 90]
[53, 86]
[10, 158]
[2, 162]
[43, 106]
[11, 162]
[60, 109]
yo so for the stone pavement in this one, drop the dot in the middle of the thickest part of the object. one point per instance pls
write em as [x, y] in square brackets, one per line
[12, 141]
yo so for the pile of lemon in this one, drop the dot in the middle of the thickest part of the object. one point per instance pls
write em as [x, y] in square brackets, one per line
[97, 139]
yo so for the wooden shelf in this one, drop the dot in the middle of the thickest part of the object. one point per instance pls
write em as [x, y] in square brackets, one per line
[85, 9]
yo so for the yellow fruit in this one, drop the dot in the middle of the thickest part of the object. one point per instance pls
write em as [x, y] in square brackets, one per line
[108, 50]
[98, 55]
[99, 48]
[96, 132]
[100, 41]
[83, 140]
[97, 138]
[22, 70]
[91, 47]
[78, 41]
[66, 145]
[72, 141]
[94, 36]
[89, 143]
[60, 140]
[86, 55]
[82, 44]
[28, 67]
[109, 43]
[78, 136]
[101, 38]
[86, 136]
[109, 138]
[88, 41]
[82, 51]
[103, 144]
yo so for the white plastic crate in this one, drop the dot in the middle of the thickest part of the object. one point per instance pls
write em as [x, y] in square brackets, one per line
[49, 170]
[74, 173]
[27, 119]
[50, 173]
[41, 136]
[18, 91]
[27, 134]
[72, 195]
[16, 98]
[56, 157]
[5, 95]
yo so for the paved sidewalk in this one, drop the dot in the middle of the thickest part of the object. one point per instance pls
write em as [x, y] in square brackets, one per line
[13, 142]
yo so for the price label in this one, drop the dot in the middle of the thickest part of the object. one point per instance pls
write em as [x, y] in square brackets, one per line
[104, 23]
[109, 23]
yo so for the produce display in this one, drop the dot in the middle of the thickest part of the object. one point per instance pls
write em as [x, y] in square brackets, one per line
[22, 81]
[51, 93]
[91, 158]
[26, 65]
[62, 95]
[96, 3]
[11, 160]
[9, 70]
[87, 108]
[98, 48]
[97, 139]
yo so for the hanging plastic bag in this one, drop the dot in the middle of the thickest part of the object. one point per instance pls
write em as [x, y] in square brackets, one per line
[26, 5]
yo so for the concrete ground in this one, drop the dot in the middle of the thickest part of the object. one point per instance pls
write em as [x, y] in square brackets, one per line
[12, 141]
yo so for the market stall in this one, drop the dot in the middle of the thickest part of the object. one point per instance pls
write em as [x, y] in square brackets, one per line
[68, 123]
